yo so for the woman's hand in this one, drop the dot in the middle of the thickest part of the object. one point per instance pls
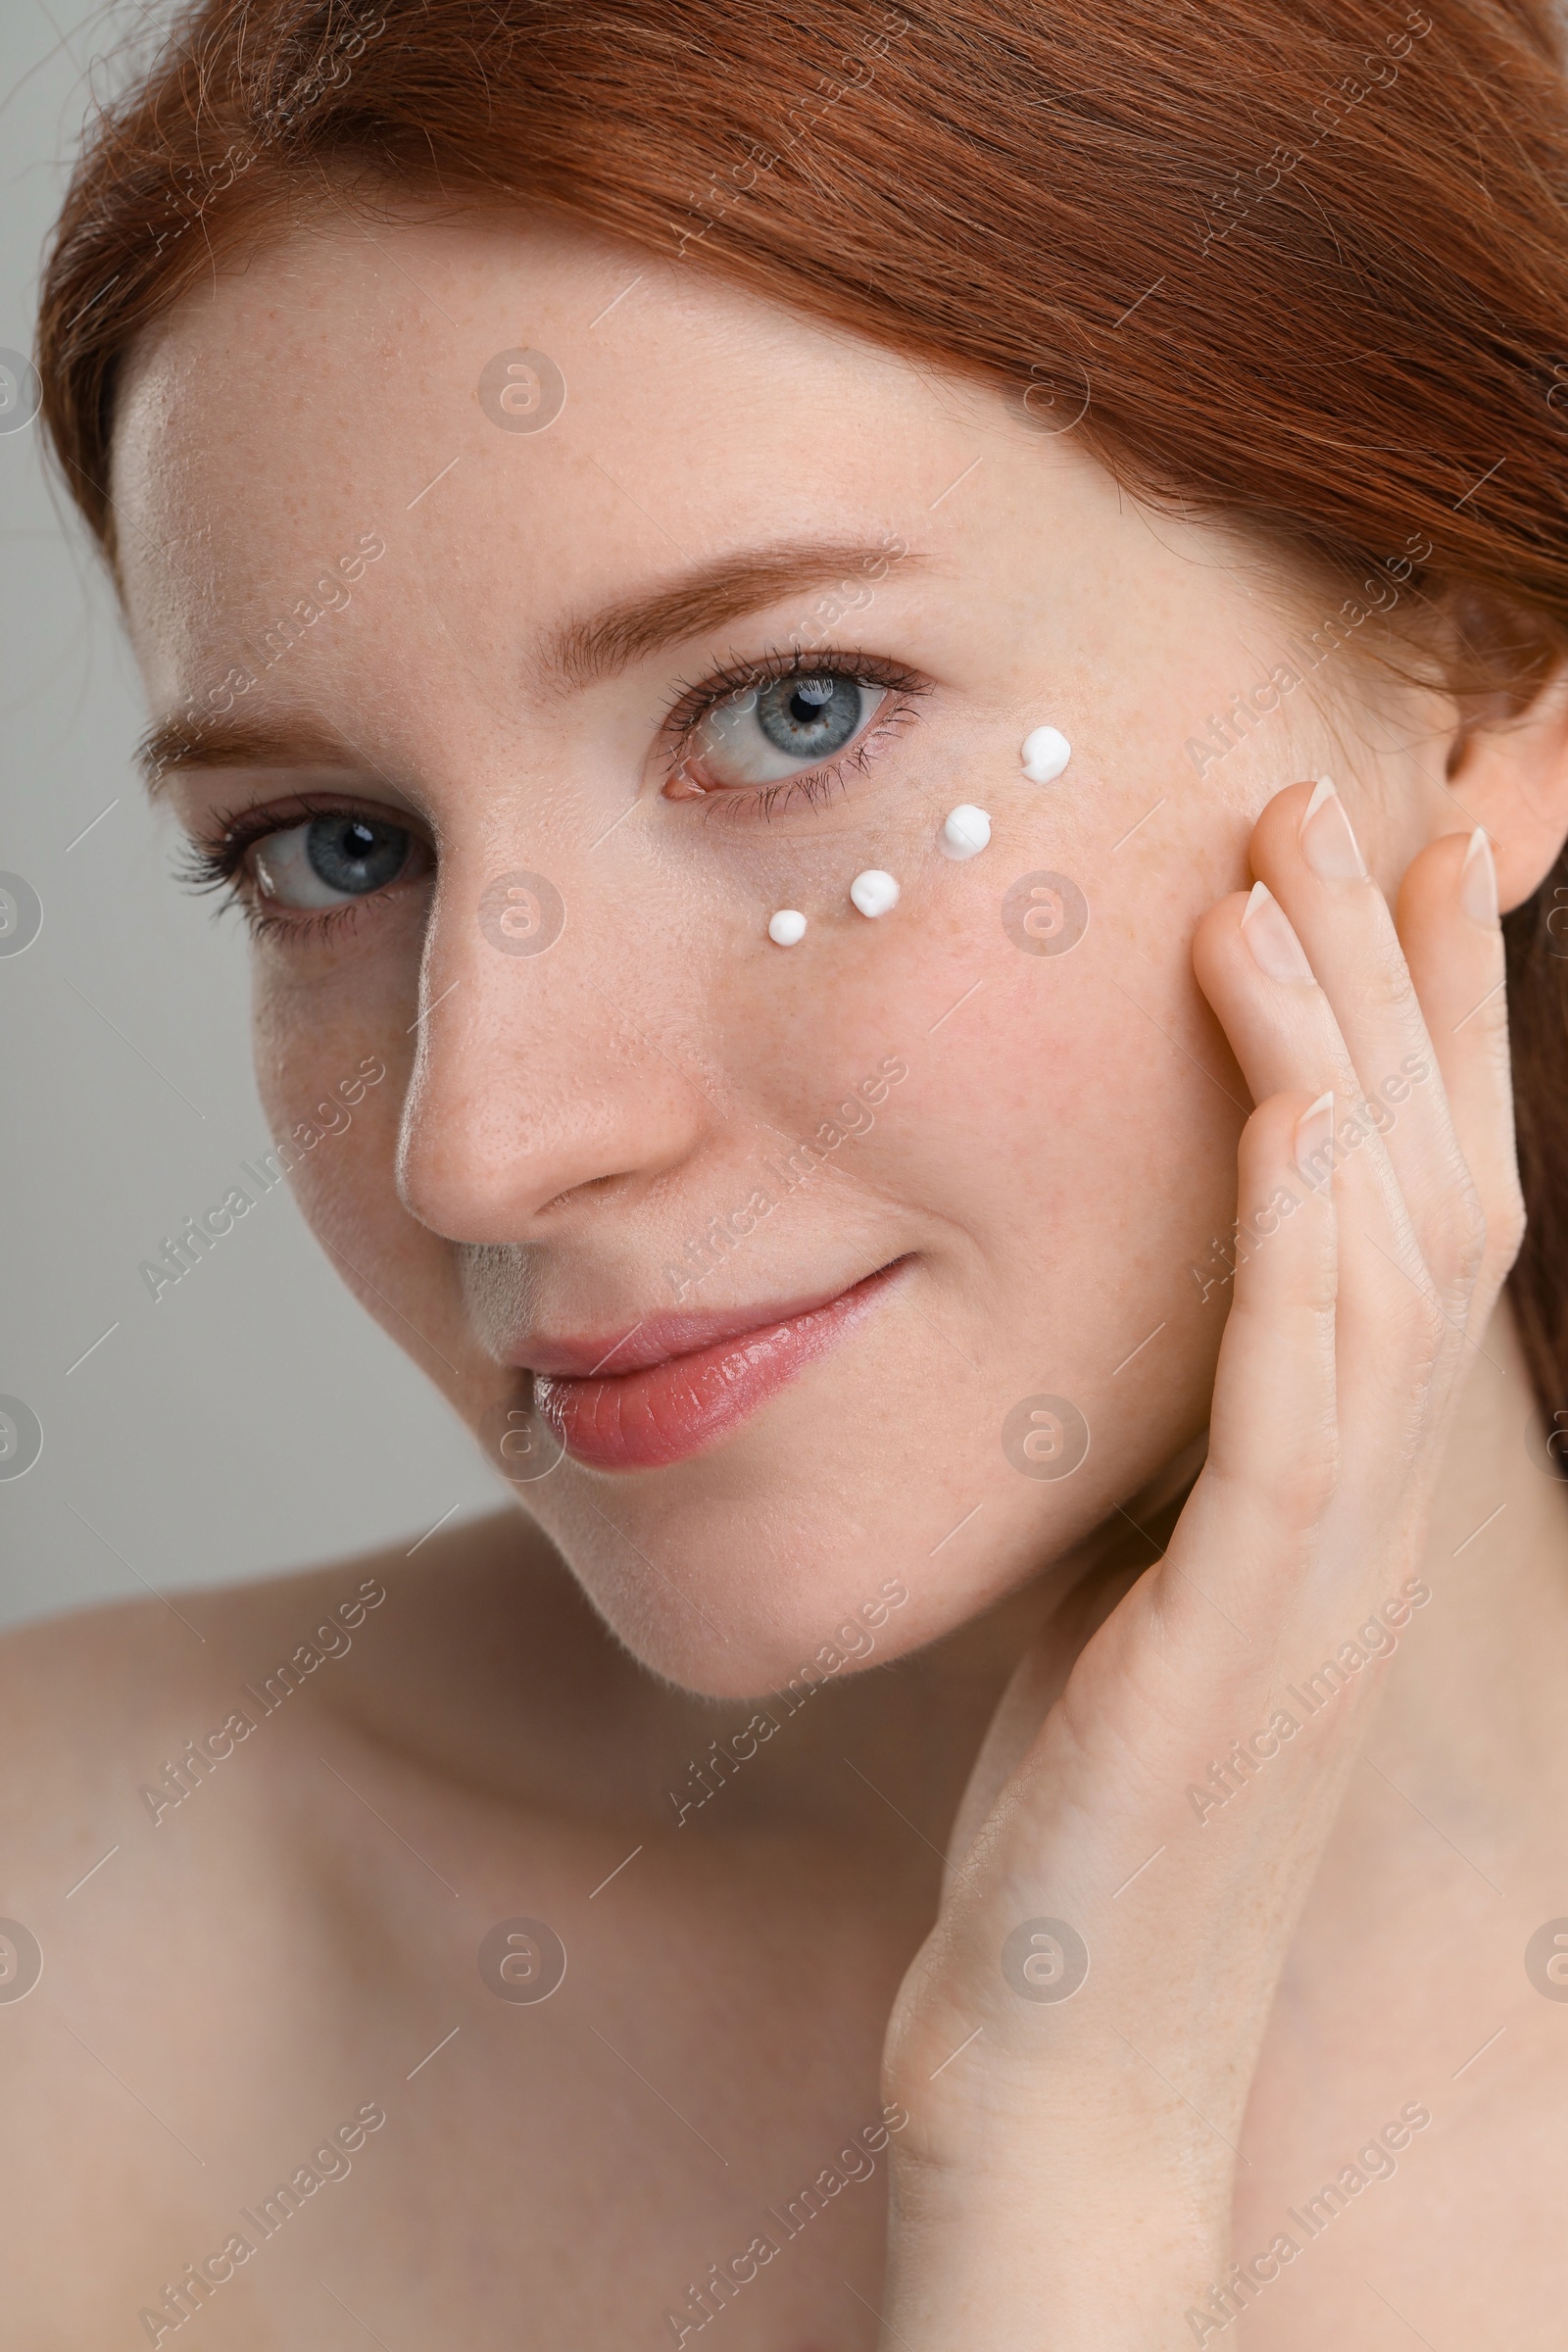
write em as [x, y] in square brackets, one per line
[1064, 2185]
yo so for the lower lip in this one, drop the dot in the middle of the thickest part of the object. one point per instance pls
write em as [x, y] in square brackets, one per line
[644, 1420]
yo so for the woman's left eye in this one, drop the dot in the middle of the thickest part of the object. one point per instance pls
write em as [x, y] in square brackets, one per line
[768, 733]
[330, 860]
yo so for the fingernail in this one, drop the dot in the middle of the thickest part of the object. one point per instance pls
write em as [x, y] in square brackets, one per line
[1266, 929]
[1315, 1139]
[1328, 843]
[1478, 880]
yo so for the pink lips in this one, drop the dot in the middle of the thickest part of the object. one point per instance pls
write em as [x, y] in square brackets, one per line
[676, 1383]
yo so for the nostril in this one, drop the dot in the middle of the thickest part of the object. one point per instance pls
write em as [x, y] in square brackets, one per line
[595, 1187]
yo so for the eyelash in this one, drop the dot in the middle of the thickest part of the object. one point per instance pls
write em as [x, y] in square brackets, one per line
[209, 865]
[217, 865]
[813, 785]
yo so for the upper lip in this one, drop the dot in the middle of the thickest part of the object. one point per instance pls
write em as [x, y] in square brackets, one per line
[661, 1334]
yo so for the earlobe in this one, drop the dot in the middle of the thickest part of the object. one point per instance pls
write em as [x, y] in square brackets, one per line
[1511, 776]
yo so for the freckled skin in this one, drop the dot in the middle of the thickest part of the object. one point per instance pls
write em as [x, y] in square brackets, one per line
[592, 1109]
[552, 1132]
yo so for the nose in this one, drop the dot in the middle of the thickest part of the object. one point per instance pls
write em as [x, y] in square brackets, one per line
[548, 1067]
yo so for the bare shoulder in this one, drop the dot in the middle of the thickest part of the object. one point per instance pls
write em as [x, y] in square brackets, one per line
[149, 1700]
[162, 1761]
[215, 1812]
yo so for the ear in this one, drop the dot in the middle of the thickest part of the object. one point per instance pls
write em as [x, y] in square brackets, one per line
[1510, 774]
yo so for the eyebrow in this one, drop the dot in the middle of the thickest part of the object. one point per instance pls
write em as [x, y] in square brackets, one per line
[581, 652]
[180, 742]
[578, 652]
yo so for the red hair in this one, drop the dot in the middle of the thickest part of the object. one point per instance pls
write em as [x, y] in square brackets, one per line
[1300, 266]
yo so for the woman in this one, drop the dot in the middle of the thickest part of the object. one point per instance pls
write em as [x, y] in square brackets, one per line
[1069, 511]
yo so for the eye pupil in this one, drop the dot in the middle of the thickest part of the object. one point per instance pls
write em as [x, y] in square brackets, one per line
[809, 718]
[355, 853]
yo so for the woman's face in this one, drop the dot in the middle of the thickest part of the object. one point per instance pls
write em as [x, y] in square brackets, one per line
[530, 721]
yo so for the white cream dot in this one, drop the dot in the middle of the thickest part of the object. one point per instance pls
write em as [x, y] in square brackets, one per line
[787, 928]
[874, 892]
[966, 832]
[1046, 753]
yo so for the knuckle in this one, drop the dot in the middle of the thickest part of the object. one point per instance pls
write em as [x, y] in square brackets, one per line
[1303, 1487]
[1454, 1234]
[1505, 1224]
[1423, 1326]
[1285, 1497]
[1387, 981]
[1464, 1235]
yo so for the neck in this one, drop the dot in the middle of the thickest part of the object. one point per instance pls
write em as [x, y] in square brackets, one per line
[1470, 1725]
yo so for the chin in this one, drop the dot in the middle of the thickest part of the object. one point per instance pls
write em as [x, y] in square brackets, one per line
[729, 1584]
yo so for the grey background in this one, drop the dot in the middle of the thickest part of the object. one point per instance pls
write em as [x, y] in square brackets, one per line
[254, 1419]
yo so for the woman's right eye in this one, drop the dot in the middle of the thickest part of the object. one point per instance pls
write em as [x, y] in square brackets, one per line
[330, 860]
[772, 731]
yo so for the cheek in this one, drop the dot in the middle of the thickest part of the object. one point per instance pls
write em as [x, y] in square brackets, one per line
[1072, 1129]
[314, 1026]
[1066, 1116]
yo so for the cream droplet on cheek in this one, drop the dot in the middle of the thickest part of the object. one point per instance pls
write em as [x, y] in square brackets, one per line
[966, 832]
[874, 892]
[1046, 753]
[787, 928]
